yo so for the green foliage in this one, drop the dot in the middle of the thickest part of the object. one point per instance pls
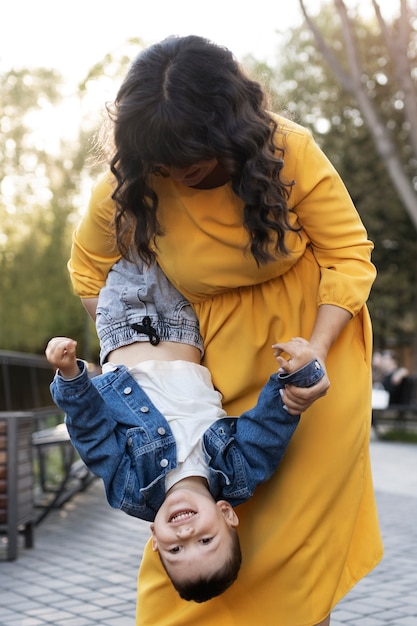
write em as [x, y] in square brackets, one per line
[405, 436]
[46, 171]
[38, 207]
[48, 130]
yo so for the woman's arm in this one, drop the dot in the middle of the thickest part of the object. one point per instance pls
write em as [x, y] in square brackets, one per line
[90, 305]
[340, 246]
[330, 322]
[332, 227]
[94, 250]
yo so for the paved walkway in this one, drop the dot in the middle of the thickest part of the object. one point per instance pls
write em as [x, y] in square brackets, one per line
[83, 569]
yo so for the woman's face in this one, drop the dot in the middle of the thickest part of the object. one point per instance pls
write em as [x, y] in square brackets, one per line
[191, 175]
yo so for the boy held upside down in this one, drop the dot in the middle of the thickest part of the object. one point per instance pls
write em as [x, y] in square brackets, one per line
[153, 428]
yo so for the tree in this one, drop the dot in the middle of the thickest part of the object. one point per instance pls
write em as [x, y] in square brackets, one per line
[48, 131]
[375, 63]
[400, 40]
[40, 194]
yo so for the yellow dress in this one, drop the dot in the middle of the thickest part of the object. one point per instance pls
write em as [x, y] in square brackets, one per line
[311, 532]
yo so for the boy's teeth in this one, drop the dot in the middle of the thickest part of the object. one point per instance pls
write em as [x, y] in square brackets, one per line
[182, 515]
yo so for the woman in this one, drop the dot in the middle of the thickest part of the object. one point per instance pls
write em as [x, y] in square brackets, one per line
[250, 221]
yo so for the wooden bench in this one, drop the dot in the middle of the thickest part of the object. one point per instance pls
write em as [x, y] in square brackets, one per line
[395, 416]
[401, 414]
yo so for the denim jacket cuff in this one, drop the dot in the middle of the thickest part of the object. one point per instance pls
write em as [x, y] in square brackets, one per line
[82, 366]
[306, 376]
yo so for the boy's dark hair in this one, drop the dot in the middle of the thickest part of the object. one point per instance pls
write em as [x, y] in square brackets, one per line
[203, 589]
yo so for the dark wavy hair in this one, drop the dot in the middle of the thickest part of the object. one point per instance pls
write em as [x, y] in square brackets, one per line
[203, 588]
[185, 100]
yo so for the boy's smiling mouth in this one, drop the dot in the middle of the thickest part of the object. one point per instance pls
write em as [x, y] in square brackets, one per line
[181, 516]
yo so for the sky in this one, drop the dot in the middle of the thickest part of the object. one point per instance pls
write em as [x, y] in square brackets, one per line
[72, 36]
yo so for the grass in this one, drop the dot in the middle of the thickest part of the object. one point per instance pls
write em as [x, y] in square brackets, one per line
[398, 434]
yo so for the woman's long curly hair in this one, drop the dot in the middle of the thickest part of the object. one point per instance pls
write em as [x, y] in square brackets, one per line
[186, 100]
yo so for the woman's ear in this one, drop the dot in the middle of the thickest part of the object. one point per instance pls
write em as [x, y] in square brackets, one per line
[229, 513]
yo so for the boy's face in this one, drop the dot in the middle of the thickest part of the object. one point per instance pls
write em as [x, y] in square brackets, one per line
[193, 534]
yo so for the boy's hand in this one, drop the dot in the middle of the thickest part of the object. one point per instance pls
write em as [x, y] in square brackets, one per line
[300, 352]
[60, 353]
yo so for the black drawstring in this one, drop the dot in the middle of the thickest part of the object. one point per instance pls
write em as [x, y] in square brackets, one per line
[147, 328]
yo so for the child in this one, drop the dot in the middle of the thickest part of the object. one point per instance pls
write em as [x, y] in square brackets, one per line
[153, 428]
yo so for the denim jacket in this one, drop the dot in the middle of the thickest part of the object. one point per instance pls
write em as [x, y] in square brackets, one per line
[124, 439]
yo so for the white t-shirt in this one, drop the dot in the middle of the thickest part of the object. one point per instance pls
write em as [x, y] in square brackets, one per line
[183, 392]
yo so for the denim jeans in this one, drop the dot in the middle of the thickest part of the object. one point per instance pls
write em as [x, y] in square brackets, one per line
[138, 303]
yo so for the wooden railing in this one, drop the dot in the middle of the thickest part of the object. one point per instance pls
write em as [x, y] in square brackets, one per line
[17, 509]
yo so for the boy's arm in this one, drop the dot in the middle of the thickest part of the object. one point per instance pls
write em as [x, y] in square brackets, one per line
[94, 431]
[248, 449]
[253, 444]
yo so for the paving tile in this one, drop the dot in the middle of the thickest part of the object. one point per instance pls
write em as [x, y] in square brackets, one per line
[370, 621]
[83, 570]
[75, 621]
[119, 621]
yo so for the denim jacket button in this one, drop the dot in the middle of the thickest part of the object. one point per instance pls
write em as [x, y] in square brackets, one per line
[164, 463]
[161, 431]
[127, 390]
[144, 409]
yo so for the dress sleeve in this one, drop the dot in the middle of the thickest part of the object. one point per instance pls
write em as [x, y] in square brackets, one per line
[331, 225]
[94, 249]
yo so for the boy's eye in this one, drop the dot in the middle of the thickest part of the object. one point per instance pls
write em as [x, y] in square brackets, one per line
[175, 550]
[206, 540]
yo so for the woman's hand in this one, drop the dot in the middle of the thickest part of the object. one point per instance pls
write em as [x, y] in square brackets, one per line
[330, 322]
[299, 399]
[300, 352]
